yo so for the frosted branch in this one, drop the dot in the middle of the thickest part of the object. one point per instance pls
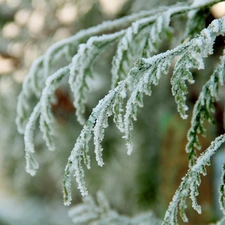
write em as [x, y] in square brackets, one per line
[81, 68]
[203, 109]
[47, 118]
[138, 82]
[190, 183]
[31, 163]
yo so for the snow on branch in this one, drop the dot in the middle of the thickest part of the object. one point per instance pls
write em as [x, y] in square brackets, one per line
[24, 108]
[149, 71]
[96, 124]
[42, 67]
[42, 110]
[147, 32]
[46, 117]
[31, 163]
[81, 68]
[222, 191]
[189, 185]
[138, 82]
[204, 108]
[134, 72]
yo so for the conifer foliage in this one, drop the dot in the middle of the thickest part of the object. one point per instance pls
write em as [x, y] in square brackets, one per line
[137, 66]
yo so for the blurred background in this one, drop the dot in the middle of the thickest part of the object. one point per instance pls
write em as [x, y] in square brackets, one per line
[145, 180]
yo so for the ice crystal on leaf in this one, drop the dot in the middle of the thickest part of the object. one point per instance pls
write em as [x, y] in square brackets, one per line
[189, 185]
[222, 191]
[81, 68]
[204, 108]
[137, 66]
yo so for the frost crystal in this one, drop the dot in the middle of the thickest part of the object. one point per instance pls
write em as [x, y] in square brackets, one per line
[138, 65]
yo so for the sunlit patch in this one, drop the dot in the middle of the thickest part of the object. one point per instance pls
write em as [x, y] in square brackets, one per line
[61, 33]
[111, 7]
[22, 16]
[218, 10]
[36, 22]
[15, 49]
[19, 75]
[7, 65]
[11, 30]
[67, 14]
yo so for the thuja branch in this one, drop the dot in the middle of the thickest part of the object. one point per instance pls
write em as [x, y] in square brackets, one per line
[190, 183]
[138, 82]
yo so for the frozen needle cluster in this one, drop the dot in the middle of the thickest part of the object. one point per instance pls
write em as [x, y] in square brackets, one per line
[137, 65]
